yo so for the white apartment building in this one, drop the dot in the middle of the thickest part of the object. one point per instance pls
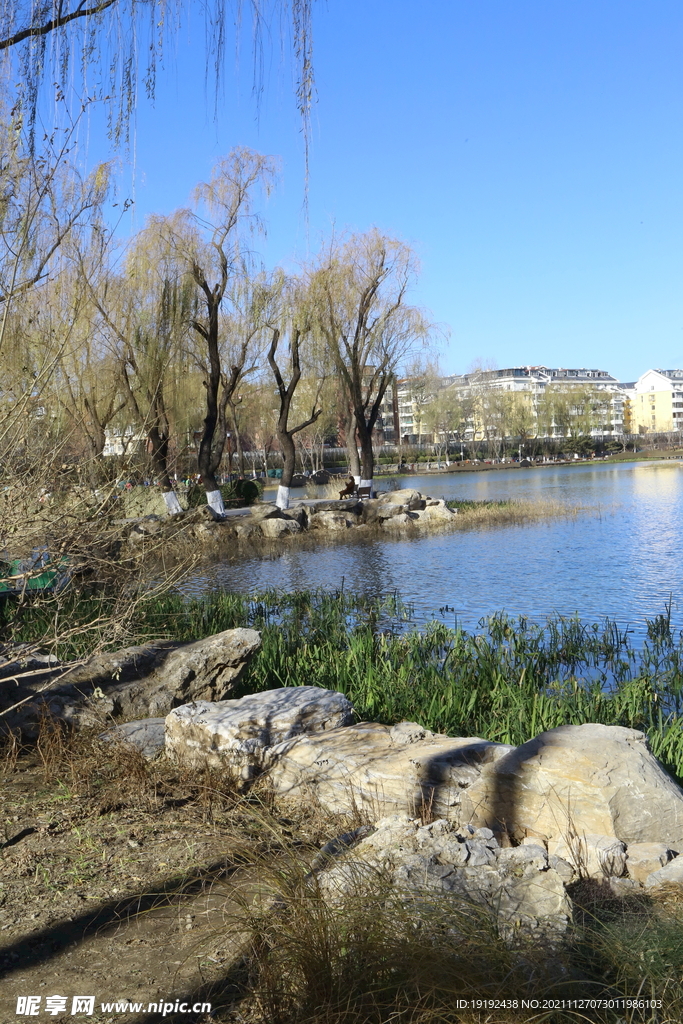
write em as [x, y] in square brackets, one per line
[534, 382]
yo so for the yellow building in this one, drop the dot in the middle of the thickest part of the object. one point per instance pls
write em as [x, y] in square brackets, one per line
[657, 402]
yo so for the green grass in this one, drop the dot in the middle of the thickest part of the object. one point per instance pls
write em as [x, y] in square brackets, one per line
[506, 681]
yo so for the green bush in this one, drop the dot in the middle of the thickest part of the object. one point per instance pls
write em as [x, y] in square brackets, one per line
[235, 495]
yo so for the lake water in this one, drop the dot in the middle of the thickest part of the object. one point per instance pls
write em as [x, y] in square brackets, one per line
[621, 557]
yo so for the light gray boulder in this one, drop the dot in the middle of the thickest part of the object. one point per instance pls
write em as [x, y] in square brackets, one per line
[435, 514]
[376, 511]
[274, 529]
[332, 521]
[382, 770]
[413, 865]
[583, 779]
[587, 780]
[264, 510]
[591, 856]
[400, 521]
[147, 736]
[342, 505]
[407, 496]
[139, 682]
[671, 874]
[240, 734]
[643, 859]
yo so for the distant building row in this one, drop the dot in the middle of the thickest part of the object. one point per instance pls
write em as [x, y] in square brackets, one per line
[532, 401]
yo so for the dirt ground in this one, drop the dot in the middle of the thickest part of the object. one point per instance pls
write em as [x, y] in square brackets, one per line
[128, 882]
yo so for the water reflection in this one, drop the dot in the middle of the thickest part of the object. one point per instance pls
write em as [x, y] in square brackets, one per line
[621, 558]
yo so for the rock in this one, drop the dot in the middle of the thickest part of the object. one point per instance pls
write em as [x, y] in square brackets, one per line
[623, 887]
[273, 529]
[415, 864]
[400, 520]
[141, 682]
[589, 780]
[148, 527]
[381, 770]
[147, 736]
[344, 505]
[331, 521]
[593, 779]
[671, 874]
[375, 510]
[643, 859]
[265, 510]
[241, 733]
[206, 533]
[402, 497]
[591, 856]
[565, 870]
[205, 670]
[247, 529]
[433, 514]
[297, 514]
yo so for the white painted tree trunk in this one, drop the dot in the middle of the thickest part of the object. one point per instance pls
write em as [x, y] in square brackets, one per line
[282, 500]
[215, 500]
[356, 480]
[366, 483]
[172, 503]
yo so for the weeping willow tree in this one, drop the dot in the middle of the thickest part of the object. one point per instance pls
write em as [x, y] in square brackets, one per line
[112, 49]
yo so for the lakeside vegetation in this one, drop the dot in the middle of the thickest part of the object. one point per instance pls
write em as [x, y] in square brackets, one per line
[507, 681]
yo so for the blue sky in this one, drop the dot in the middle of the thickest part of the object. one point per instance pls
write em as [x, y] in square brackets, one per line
[531, 152]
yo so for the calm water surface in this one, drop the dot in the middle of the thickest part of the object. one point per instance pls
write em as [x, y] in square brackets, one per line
[621, 557]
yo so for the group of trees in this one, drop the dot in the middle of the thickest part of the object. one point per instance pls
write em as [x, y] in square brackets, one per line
[181, 333]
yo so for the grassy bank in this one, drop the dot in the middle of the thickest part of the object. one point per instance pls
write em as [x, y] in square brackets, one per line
[508, 681]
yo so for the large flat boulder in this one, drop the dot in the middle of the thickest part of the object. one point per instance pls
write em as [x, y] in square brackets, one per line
[240, 734]
[381, 769]
[408, 496]
[588, 780]
[333, 505]
[136, 682]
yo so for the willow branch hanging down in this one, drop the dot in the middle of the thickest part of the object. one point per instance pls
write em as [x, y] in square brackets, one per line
[120, 44]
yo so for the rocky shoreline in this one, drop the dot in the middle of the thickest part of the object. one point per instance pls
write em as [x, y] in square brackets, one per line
[393, 512]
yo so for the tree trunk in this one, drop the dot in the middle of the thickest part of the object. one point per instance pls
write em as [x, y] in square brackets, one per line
[352, 447]
[289, 464]
[367, 458]
[159, 454]
[239, 452]
[206, 462]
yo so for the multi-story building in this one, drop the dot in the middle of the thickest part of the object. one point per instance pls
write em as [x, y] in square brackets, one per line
[402, 413]
[657, 402]
[597, 409]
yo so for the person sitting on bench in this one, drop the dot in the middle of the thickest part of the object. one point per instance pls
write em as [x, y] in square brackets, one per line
[349, 490]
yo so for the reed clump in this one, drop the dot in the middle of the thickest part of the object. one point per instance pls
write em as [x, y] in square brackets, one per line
[498, 513]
